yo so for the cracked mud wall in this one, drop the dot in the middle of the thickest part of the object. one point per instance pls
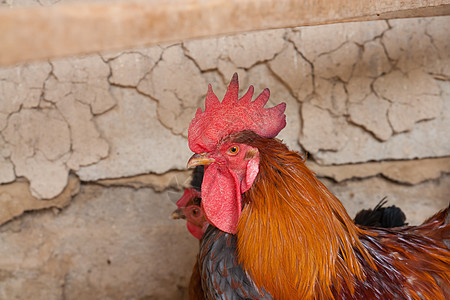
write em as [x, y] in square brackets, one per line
[93, 149]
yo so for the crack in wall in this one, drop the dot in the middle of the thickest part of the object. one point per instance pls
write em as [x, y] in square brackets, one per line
[336, 101]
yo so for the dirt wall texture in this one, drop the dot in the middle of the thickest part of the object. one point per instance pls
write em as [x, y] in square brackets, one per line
[93, 149]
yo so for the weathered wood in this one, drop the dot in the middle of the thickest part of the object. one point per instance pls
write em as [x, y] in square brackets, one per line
[32, 33]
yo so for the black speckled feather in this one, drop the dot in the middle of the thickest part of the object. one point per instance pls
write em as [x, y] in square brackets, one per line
[222, 276]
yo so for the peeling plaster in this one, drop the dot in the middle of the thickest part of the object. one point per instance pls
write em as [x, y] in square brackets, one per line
[355, 92]
[403, 171]
[15, 198]
[179, 97]
[371, 114]
[129, 68]
[139, 144]
[298, 76]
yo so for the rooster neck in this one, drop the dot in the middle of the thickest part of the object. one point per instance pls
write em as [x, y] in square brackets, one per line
[293, 228]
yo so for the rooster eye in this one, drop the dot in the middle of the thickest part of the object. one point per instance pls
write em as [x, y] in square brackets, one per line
[233, 150]
[195, 212]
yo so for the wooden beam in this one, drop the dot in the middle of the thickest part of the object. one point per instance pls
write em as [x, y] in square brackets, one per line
[35, 33]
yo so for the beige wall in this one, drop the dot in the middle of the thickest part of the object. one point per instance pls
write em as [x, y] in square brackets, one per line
[101, 140]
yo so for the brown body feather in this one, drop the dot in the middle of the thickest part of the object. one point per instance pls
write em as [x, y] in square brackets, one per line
[195, 284]
[295, 239]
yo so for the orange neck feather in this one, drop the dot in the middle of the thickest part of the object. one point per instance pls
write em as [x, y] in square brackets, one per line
[294, 236]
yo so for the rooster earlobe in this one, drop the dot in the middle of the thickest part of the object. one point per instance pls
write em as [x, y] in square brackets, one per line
[251, 171]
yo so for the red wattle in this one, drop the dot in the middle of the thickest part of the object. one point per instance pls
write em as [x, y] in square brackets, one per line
[221, 198]
[194, 230]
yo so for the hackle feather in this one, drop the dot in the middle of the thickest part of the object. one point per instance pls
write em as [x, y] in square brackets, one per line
[295, 238]
[312, 238]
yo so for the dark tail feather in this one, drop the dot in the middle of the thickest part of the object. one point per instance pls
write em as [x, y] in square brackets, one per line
[382, 217]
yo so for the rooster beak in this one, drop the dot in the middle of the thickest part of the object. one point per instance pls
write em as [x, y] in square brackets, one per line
[200, 159]
[178, 214]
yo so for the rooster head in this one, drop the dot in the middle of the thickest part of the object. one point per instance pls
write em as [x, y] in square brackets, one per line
[230, 167]
[189, 208]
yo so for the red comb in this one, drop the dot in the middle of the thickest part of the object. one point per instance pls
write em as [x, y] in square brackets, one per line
[234, 115]
[188, 195]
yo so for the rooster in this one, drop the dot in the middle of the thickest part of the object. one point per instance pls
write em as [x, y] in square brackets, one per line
[278, 233]
[189, 208]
